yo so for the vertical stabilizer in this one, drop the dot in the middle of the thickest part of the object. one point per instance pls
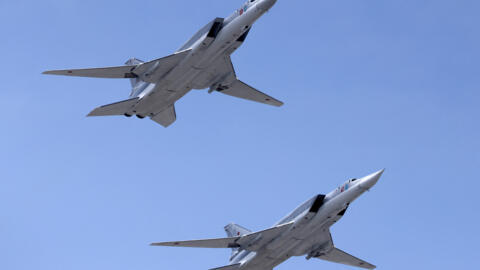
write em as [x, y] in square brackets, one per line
[134, 62]
[234, 230]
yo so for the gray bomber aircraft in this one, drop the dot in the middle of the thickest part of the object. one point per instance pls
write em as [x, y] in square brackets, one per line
[303, 232]
[203, 62]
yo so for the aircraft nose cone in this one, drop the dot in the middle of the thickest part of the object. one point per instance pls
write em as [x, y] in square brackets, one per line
[369, 181]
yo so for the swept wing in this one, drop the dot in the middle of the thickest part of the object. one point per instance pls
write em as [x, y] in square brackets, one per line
[250, 242]
[121, 72]
[150, 71]
[339, 256]
[229, 267]
[240, 89]
[154, 70]
[230, 85]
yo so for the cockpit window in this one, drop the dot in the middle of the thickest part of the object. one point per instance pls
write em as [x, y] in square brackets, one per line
[353, 180]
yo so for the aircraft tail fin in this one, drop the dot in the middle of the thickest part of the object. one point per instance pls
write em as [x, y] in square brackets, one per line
[235, 230]
[134, 62]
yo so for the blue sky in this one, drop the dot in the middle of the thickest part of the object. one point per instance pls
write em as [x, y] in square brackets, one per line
[366, 84]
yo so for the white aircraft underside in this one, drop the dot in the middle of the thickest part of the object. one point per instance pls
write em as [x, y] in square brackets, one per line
[203, 62]
[304, 232]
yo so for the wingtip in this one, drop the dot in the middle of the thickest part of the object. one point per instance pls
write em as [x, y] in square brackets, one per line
[90, 114]
[275, 103]
[159, 244]
[94, 113]
[55, 72]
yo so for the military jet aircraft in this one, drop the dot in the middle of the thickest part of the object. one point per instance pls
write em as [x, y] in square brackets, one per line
[303, 232]
[203, 62]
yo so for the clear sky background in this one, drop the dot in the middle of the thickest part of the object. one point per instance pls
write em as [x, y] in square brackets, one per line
[366, 84]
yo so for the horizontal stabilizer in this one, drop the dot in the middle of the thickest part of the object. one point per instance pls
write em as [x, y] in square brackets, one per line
[240, 89]
[338, 256]
[251, 242]
[108, 72]
[119, 108]
[229, 267]
[166, 117]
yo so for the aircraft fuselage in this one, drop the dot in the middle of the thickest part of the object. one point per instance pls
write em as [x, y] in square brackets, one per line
[309, 235]
[202, 62]
[193, 72]
[303, 232]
